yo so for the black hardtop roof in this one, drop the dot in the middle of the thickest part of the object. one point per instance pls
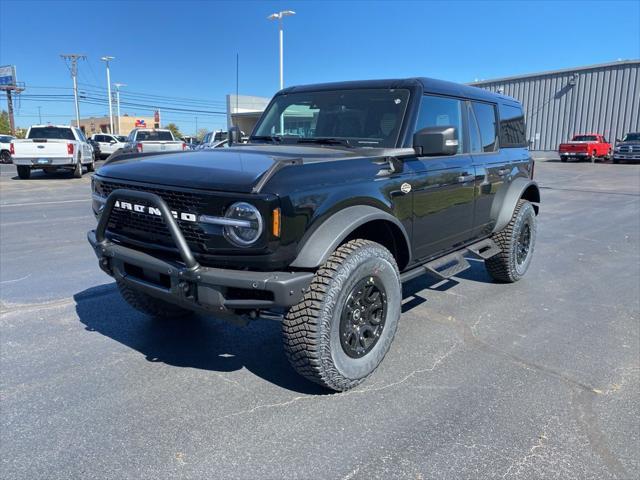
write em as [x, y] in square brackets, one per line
[429, 85]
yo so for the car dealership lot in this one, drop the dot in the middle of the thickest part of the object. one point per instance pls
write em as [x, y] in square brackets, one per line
[538, 379]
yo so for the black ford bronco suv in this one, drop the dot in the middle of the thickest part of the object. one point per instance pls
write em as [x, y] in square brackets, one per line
[343, 192]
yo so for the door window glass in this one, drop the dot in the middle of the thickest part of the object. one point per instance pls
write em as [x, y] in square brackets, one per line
[474, 133]
[485, 114]
[439, 112]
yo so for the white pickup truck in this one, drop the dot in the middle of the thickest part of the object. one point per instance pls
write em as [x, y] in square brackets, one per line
[145, 140]
[50, 147]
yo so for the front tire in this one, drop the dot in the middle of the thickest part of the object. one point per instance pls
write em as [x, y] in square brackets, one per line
[343, 327]
[517, 241]
[91, 167]
[24, 172]
[149, 305]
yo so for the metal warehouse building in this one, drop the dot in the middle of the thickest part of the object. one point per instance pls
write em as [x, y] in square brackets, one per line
[601, 99]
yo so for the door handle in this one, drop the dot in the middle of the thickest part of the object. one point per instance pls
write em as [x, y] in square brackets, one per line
[466, 178]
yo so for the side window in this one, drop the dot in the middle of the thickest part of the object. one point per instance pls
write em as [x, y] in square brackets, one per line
[441, 111]
[485, 114]
[512, 128]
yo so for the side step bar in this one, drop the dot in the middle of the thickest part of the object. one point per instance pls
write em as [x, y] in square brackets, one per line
[446, 267]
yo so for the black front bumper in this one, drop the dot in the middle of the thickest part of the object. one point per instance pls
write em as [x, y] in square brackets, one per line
[187, 283]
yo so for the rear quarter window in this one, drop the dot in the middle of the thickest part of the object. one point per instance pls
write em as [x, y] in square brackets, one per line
[512, 127]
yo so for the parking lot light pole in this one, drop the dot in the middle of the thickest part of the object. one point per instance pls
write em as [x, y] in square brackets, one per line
[279, 16]
[118, 85]
[107, 59]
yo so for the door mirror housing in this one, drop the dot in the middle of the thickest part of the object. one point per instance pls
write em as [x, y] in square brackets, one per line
[234, 135]
[436, 141]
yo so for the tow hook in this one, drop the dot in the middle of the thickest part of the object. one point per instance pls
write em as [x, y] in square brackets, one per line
[105, 266]
[187, 290]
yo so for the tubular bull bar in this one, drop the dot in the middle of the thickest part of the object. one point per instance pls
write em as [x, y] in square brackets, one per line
[187, 283]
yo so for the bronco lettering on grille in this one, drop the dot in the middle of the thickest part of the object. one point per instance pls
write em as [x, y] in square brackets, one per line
[134, 207]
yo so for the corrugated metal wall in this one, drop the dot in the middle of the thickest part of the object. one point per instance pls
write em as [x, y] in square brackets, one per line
[605, 99]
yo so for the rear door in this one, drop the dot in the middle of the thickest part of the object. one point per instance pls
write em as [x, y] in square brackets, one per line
[443, 187]
[492, 165]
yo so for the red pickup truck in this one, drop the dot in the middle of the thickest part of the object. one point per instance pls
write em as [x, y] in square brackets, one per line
[589, 146]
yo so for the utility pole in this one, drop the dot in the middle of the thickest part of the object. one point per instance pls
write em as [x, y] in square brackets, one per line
[107, 59]
[118, 85]
[9, 89]
[39, 116]
[73, 58]
[196, 135]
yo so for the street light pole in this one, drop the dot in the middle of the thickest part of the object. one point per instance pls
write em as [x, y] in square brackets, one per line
[107, 59]
[279, 16]
[118, 85]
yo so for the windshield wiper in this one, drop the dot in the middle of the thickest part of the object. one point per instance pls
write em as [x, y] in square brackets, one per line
[326, 141]
[269, 138]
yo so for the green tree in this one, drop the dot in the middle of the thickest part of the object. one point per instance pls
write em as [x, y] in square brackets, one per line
[4, 123]
[174, 129]
[201, 133]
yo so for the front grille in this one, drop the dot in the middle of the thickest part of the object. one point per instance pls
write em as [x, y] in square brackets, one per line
[151, 228]
[630, 149]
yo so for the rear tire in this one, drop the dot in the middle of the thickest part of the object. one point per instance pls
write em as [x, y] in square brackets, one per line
[343, 327]
[5, 156]
[517, 241]
[149, 305]
[24, 172]
[77, 172]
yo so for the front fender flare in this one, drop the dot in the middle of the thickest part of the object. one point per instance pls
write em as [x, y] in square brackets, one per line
[330, 234]
[510, 199]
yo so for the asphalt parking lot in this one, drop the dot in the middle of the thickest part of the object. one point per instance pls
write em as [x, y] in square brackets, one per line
[538, 379]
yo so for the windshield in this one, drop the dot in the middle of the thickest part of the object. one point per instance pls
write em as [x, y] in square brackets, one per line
[56, 133]
[631, 137]
[585, 138]
[154, 136]
[362, 118]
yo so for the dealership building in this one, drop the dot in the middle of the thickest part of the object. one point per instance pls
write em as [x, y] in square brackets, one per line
[127, 123]
[602, 98]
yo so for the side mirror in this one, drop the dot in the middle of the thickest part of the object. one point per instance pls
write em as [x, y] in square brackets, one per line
[234, 135]
[112, 142]
[436, 141]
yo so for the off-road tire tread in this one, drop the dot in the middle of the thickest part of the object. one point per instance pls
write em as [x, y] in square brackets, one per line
[149, 305]
[302, 343]
[499, 266]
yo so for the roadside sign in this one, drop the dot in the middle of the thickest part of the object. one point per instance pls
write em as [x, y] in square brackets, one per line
[8, 75]
[140, 122]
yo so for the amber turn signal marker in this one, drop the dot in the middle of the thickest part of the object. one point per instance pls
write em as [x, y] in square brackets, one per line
[276, 223]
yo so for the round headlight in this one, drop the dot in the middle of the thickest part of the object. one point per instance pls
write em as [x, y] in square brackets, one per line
[244, 225]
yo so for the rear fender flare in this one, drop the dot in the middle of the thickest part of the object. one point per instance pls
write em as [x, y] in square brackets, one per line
[332, 232]
[519, 187]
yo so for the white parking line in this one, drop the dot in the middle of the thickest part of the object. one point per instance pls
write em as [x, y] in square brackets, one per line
[43, 203]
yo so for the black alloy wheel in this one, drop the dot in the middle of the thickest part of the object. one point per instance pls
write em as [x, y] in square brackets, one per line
[363, 317]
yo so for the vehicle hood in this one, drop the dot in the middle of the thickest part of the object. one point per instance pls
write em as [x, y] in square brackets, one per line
[236, 169]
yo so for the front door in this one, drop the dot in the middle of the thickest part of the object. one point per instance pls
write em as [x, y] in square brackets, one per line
[443, 187]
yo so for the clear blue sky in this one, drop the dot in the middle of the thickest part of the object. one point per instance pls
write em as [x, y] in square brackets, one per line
[188, 49]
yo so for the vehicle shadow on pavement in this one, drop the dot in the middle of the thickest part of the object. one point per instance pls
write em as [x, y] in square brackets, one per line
[413, 291]
[197, 342]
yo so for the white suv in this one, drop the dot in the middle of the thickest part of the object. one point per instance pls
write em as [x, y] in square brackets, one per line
[108, 143]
